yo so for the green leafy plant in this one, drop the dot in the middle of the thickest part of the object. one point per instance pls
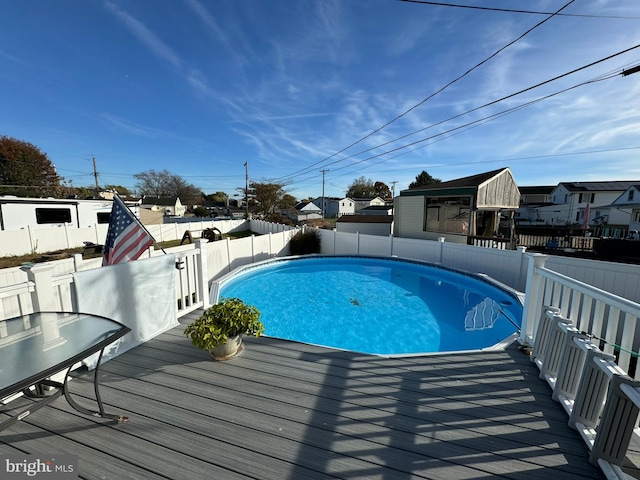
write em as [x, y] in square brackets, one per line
[305, 241]
[227, 318]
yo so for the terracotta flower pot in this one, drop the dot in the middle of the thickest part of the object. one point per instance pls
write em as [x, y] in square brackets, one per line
[228, 350]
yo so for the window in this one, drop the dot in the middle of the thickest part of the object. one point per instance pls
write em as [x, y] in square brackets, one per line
[586, 197]
[103, 217]
[630, 197]
[53, 215]
[637, 216]
[447, 214]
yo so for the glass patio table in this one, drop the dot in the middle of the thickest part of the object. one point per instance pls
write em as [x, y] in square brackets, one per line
[37, 346]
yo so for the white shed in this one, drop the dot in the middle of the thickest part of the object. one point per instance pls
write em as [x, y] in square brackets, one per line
[460, 209]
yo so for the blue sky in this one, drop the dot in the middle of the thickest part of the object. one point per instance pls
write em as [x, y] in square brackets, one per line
[200, 87]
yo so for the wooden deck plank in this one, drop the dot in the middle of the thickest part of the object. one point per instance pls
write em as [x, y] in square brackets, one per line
[295, 424]
[478, 434]
[285, 410]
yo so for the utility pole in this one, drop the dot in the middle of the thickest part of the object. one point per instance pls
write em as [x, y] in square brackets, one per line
[393, 195]
[246, 190]
[323, 172]
[95, 175]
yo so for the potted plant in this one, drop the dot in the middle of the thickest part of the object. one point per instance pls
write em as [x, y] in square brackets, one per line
[220, 328]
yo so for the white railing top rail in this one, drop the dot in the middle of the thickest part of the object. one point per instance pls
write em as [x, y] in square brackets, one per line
[616, 301]
[13, 290]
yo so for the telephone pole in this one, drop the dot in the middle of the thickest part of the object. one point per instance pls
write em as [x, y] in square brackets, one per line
[393, 195]
[246, 190]
[323, 172]
[95, 175]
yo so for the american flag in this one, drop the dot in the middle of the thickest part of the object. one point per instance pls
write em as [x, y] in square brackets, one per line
[126, 238]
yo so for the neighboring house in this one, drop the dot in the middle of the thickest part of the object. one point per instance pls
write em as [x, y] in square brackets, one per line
[366, 224]
[169, 206]
[377, 210]
[619, 217]
[361, 203]
[305, 211]
[532, 198]
[570, 201]
[335, 207]
[458, 209]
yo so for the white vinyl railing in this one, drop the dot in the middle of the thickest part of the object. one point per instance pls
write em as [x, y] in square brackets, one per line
[585, 341]
[610, 320]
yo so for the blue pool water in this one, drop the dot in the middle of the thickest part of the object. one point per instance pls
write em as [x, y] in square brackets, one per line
[376, 305]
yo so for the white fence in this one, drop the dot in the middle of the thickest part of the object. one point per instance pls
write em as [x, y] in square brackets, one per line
[42, 240]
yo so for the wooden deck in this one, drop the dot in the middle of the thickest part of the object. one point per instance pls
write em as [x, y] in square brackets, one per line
[284, 410]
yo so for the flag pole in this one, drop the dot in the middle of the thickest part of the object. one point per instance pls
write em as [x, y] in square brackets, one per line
[140, 223]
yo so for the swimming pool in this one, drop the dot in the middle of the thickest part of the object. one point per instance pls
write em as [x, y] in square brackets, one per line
[384, 306]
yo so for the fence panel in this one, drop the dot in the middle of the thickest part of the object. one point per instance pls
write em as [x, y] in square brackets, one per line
[15, 242]
[377, 245]
[217, 257]
[424, 250]
[618, 278]
[96, 234]
[506, 266]
[261, 247]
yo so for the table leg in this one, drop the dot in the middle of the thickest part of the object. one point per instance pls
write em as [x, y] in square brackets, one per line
[100, 413]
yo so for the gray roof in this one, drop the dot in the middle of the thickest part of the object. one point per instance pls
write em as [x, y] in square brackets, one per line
[470, 181]
[611, 186]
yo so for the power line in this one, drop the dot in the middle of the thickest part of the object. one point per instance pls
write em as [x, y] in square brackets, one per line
[485, 119]
[458, 78]
[511, 10]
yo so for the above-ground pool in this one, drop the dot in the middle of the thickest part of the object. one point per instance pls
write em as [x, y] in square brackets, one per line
[384, 306]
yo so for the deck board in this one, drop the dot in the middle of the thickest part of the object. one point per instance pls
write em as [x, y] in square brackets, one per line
[285, 410]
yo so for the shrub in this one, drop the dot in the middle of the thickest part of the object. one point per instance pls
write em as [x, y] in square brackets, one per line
[305, 241]
[227, 318]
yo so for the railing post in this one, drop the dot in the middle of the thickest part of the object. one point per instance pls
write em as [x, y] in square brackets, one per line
[533, 297]
[228, 254]
[253, 248]
[43, 298]
[441, 245]
[202, 274]
[77, 261]
[523, 258]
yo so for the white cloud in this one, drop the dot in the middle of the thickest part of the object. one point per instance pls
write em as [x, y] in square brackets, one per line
[146, 36]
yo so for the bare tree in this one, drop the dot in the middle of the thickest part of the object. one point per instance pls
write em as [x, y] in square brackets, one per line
[166, 184]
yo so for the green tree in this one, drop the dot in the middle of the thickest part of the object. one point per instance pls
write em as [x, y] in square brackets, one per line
[362, 188]
[122, 191]
[382, 190]
[200, 212]
[269, 198]
[218, 197]
[26, 171]
[424, 180]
